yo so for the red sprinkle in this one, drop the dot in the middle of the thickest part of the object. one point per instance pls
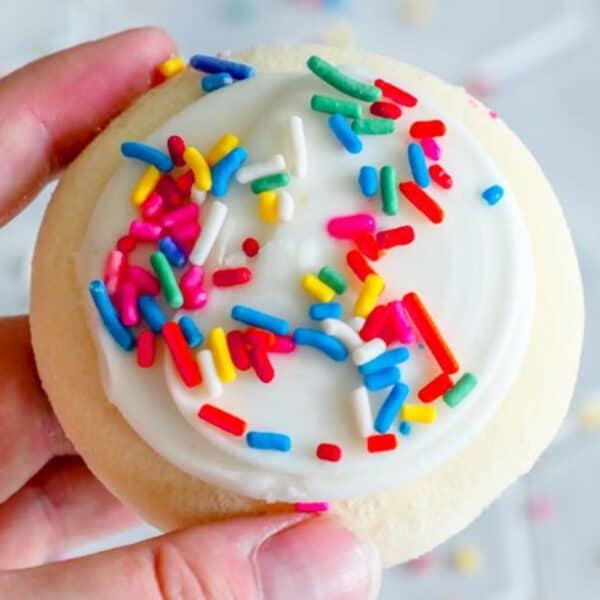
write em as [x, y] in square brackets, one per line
[357, 262]
[422, 201]
[374, 323]
[251, 247]
[440, 176]
[221, 419]
[182, 356]
[395, 94]
[430, 333]
[169, 190]
[260, 337]
[368, 245]
[236, 342]
[435, 388]
[146, 349]
[185, 182]
[126, 244]
[399, 236]
[330, 452]
[382, 442]
[427, 129]
[387, 110]
[261, 363]
[231, 277]
[176, 146]
[284, 344]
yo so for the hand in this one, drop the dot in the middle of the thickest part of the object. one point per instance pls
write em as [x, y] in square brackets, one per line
[49, 500]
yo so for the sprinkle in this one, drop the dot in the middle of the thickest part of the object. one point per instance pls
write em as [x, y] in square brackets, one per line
[342, 331]
[250, 247]
[314, 286]
[192, 278]
[261, 364]
[462, 388]
[255, 318]
[356, 323]
[399, 236]
[427, 129]
[283, 344]
[194, 299]
[146, 349]
[297, 144]
[225, 169]
[493, 194]
[418, 166]
[387, 110]
[220, 351]
[214, 387]
[400, 324]
[171, 250]
[215, 81]
[264, 440]
[176, 147]
[466, 560]
[405, 428]
[359, 398]
[171, 67]
[144, 231]
[334, 279]
[381, 443]
[147, 154]
[221, 419]
[440, 176]
[420, 413]
[370, 291]
[326, 104]
[197, 163]
[128, 310]
[368, 245]
[285, 206]
[311, 507]
[215, 218]
[144, 186]
[542, 508]
[422, 201]
[152, 207]
[382, 379]
[367, 181]
[182, 356]
[430, 333]
[431, 148]
[185, 182]
[180, 216]
[168, 283]
[222, 148]
[357, 262]
[236, 343]
[367, 352]
[327, 344]
[269, 183]
[385, 360]
[341, 82]
[391, 407]
[325, 310]
[373, 126]
[169, 190]
[389, 194]
[122, 336]
[152, 313]
[126, 244]
[435, 388]
[257, 170]
[145, 282]
[347, 227]
[344, 134]
[212, 64]
[115, 266]
[329, 452]
[231, 277]
[267, 207]
[374, 323]
[259, 337]
[193, 336]
[394, 93]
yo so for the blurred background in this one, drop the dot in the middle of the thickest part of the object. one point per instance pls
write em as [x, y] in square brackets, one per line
[536, 63]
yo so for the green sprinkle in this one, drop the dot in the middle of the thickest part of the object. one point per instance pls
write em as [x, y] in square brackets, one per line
[335, 78]
[462, 388]
[334, 279]
[389, 193]
[325, 104]
[168, 283]
[373, 126]
[270, 182]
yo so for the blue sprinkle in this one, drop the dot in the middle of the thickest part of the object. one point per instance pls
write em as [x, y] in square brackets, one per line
[404, 428]
[325, 310]
[147, 154]
[265, 440]
[216, 81]
[390, 407]
[212, 64]
[193, 336]
[224, 170]
[343, 132]
[385, 360]
[493, 194]
[321, 341]
[172, 251]
[109, 316]
[255, 318]
[367, 180]
[152, 313]
[382, 379]
[418, 166]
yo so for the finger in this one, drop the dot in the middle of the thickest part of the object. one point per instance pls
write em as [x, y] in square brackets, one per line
[249, 559]
[63, 506]
[50, 109]
[31, 434]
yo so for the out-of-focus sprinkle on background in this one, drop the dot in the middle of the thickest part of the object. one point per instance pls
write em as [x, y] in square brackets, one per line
[536, 63]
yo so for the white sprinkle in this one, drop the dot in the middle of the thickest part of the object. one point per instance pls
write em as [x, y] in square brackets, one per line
[249, 173]
[215, 218]
[343, 332]
[362, 411]
[356, 323]
[297, 143]
[285, 206]
[368, 351]
[198, 196]
[209, 373]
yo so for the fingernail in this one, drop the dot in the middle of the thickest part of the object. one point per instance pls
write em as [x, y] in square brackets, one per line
[318, 559]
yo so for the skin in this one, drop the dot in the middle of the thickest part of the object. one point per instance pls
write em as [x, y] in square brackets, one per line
[49, 500]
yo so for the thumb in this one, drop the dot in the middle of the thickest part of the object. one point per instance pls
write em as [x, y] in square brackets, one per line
[267, 558]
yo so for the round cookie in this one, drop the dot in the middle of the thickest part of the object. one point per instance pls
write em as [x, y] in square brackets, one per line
[404, 521]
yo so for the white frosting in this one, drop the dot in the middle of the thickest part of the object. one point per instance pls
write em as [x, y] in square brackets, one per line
[474, 273]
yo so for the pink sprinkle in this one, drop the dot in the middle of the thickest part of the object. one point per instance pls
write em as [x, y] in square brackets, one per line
[422, 563]
[192, 278]
[194, 298]
[542, 508]
[311, 507]
[349, 226]
[400, 323]
[284, 344]
[145, 231]
[185, 214]
[185, 235]
[116, 262]
[128, 310]
[493, 114]
[152, 207]
[431, 148]
[144, 281]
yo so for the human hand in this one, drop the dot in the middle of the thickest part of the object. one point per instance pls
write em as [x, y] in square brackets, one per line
[49, 500]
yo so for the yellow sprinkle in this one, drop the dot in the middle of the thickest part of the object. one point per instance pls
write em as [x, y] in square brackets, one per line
[217, 343]
[197, 163]
[370, 291]
[267, 206]
[419, 413]
[222, 148]
[589, 415]
[145, 184]
[314, 286]
[466, 560]
[172, 66]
